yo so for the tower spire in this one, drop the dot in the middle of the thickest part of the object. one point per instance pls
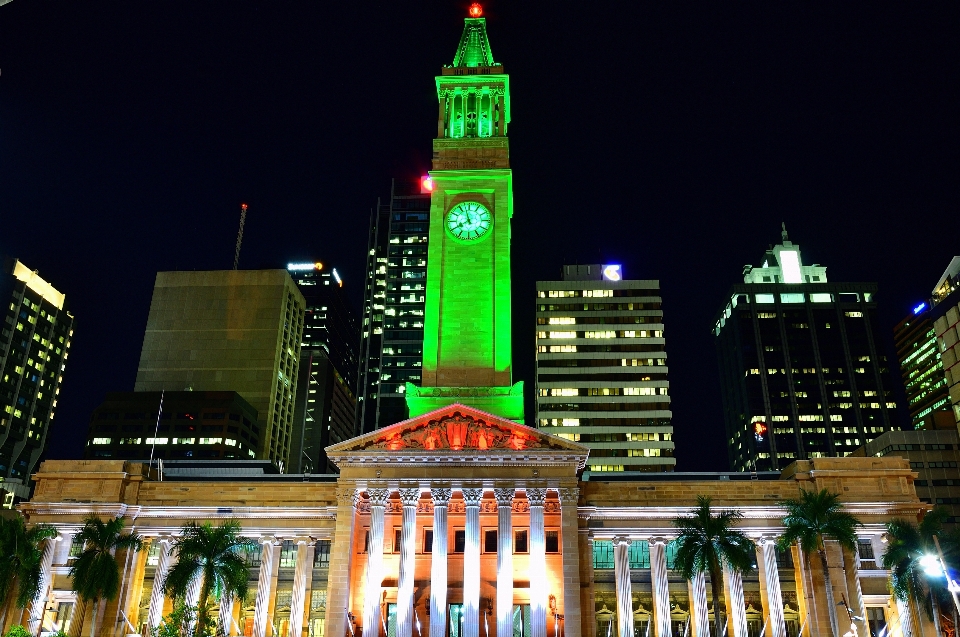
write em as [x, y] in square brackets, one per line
[783, 231]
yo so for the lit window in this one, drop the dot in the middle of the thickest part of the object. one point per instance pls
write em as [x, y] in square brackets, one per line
[562, 320]
[102, 441]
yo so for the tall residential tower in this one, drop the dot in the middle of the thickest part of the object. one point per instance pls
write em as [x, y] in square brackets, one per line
[602, 368]
[801, 370]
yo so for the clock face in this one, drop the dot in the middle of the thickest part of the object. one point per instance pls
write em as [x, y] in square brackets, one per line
[469, 220]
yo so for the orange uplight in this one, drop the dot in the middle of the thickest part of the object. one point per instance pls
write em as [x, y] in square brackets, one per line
[476, 10]
[426, 184]
[759, 428]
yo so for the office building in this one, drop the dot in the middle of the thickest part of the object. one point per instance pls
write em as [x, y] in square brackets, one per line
[946, 323]
[802, 372]
[229, 330]
[325, 409]
[394, 304]
[177, 425]
[34, 343]
[921, 351]
[934, 455]
[602, 368]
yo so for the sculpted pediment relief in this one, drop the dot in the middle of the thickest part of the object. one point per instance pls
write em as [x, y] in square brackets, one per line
[456, 432]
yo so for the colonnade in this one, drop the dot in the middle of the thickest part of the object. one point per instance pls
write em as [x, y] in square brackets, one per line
[441, 496]
[732, 585]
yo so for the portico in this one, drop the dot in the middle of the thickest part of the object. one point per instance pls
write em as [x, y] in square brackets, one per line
[460, 528]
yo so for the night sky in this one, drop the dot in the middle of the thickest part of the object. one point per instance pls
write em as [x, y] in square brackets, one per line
[671, 137]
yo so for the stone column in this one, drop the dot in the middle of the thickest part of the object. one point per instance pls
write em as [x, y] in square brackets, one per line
[438, 562]
[569, 532]
[621, 572]
[537, 497]
[770, 580]
[165, 561]
[39, 604]
[301, 572]
[471, 563]
[371, 595]
[265, 591]
[504, 497]
[736, 609]
[225, 617]
[660, 587]
[697, 588]
[341, 563]
[409, 497]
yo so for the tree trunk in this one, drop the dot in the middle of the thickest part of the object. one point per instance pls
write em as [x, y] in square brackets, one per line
[935, 611]
[202, 605]
[828, 589]
[716, 585]
[93, 618]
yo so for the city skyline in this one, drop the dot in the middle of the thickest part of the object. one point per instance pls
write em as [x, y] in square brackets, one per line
[753, 158]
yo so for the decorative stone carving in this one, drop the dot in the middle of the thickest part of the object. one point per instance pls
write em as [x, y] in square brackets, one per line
[378, 497]
[472, 496]
[504, 495]
[456, 432]
[551, 506]
[346, 497]
[622, 540]
[410, 496]
[569, 495]
[521, 506]
[536, 496]
[456, 506]
[425, 507]
[488, 506]
[441, 495]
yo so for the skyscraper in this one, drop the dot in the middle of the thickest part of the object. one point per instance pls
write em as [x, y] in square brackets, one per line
[34, 342]
[602, 368]
[229, 330]
[393, 311]
[801, 370]
[922, 361]
[946, 323]
[325, 411]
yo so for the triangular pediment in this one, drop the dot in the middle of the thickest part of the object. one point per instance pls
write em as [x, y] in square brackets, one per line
[459, 430]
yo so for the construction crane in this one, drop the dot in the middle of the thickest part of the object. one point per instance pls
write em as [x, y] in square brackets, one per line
[243, 218]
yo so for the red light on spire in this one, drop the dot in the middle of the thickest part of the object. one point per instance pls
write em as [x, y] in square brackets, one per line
[426, 184]
[243, 206]
[476, 10]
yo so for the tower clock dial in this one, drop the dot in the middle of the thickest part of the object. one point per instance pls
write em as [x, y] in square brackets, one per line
[469, 220]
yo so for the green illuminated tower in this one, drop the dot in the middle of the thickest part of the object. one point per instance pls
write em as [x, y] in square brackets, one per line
[467, 349]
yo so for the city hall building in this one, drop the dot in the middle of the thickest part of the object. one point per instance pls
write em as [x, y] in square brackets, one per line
[460, 521]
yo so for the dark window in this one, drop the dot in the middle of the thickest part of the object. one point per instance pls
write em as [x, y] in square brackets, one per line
[520, 541]
[397, 539]
[234, 416]
[214, 415]
[553, 541]
[428, 540]
[321, 555]
[784, 559]
[490, 541]
[459, 541]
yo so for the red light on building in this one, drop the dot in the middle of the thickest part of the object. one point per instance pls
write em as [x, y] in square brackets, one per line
[243, 206]
[759, 429]
[476, 10]
[426, 185]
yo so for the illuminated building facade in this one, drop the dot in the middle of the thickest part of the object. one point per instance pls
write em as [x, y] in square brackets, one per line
[801, 370]
[197, 425]
[229, 330]
[602, 368]
[394, 304]
[946, 323]
[34, 342]
[325, 407]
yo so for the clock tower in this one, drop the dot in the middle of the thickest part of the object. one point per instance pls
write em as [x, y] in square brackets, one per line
[467, 355]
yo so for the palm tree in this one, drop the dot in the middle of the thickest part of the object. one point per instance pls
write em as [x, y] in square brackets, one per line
[215, 555]
[907, 544]
[706, 542]
[812, 518]
[96, 574]
[20, 558]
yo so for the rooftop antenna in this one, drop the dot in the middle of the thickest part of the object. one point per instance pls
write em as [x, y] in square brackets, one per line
[783, 231]
[243, 218]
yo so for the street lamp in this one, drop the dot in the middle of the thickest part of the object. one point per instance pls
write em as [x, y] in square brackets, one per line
[936, 566]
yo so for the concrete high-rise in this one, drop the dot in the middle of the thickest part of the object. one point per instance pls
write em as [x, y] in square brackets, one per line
[602, 368]
[326, 404]
[394, 305]
[946, 323]
[801, 369]
[229, 330]
[34, 342]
